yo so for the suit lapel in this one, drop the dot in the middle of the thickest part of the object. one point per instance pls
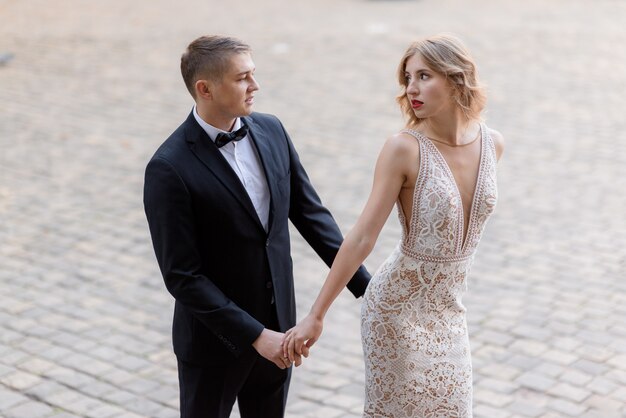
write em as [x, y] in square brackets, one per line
[262, 143]
[206, 150]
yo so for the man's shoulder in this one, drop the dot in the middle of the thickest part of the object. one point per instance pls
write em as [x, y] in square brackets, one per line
[175, 146]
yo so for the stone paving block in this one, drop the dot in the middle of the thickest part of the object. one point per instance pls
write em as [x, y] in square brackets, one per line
[97, 389]
[141, 386]
[20, 380]
[63, 398]
[494, 399]
[620, 394]
[590, 367]
[601, 386]
[62, 414]
[128, 415]
[104, 411]
[594, 413]
[498, 385]
[119, 397]
[344, 402]
[5, 370]
[330, 382]
[172, 413]
[484, 411]
[29, 409]
[36, 366]
[131, 363]
[501, 371]
[324, 412]
[69, 377]
[567, 391]
[551, 415]
[559, 357]
[617, 376]
[143, 406]
[9, 398]
[605, 404]
[618, 362]
[163, 394]
[575, 378]
[495, 338]
[531, 332]
[529, 347]
[44, 389]
[536, 381]
[567, 408]
[523, 362]
[317, 394]
[118, 376]
[526, 409]
[12, 357]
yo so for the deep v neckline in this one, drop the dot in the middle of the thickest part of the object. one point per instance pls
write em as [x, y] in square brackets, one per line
[463, 235]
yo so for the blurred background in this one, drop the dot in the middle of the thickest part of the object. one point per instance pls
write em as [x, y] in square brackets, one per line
[88, 90]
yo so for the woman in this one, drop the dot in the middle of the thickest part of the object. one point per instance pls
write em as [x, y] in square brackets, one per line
[441, 172]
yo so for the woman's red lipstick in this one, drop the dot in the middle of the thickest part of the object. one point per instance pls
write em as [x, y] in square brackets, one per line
[416, 104]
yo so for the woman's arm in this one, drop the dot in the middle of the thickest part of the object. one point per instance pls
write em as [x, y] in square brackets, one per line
[397, 158]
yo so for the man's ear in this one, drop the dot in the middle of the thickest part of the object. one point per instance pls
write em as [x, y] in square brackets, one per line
[203, 89]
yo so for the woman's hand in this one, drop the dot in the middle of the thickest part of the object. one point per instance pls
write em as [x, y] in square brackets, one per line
[300, 338]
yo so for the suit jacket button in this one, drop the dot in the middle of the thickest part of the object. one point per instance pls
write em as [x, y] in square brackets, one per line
[267, 243]
[269, 285]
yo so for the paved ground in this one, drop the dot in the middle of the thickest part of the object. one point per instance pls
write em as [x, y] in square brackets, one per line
[93, 88]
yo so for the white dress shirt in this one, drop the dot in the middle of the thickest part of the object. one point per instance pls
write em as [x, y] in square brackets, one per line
[243, 159]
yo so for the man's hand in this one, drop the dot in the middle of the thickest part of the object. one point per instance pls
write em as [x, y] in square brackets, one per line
[300, 338]
[269, 345]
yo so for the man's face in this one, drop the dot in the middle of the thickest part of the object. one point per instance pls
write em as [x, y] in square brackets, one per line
[233, 95]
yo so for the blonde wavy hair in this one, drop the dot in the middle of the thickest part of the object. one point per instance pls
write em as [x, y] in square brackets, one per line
[446, 55]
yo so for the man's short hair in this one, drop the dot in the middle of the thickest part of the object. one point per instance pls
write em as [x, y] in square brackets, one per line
[207, 58]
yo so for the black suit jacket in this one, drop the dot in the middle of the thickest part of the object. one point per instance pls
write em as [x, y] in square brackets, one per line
[224, 270]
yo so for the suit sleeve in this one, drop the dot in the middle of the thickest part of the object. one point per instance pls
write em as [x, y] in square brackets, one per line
[314, 221]
[167, 203]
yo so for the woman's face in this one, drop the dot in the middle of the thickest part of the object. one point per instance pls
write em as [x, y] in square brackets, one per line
[428, 92]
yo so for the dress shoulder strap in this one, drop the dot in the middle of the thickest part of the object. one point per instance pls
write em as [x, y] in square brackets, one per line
[414, 134]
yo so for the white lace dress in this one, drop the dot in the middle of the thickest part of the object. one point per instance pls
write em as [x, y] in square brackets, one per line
[414, 332]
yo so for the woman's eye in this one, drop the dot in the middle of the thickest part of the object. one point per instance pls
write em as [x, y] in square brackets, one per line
[423, 76]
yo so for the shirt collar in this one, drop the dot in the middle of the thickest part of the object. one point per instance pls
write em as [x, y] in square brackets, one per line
[211, 130]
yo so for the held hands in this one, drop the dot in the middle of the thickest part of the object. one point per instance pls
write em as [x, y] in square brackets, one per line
[269, 345]
[300, 338]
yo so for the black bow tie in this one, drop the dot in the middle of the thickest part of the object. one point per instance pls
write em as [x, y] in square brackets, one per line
[224, 138]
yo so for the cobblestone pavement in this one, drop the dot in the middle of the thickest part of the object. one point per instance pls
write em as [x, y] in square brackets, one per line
[92, 88]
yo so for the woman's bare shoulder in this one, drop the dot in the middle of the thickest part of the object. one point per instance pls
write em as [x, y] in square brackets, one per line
[402, 142]
[498, 141]
[399, 154]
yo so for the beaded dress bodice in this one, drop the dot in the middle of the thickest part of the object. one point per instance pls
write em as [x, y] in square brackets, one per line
[437, 221]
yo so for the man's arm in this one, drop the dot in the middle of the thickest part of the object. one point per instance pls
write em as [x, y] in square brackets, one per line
[314, 221]
[168, 208]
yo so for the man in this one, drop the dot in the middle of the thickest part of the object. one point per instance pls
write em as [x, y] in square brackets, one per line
[218, 206]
